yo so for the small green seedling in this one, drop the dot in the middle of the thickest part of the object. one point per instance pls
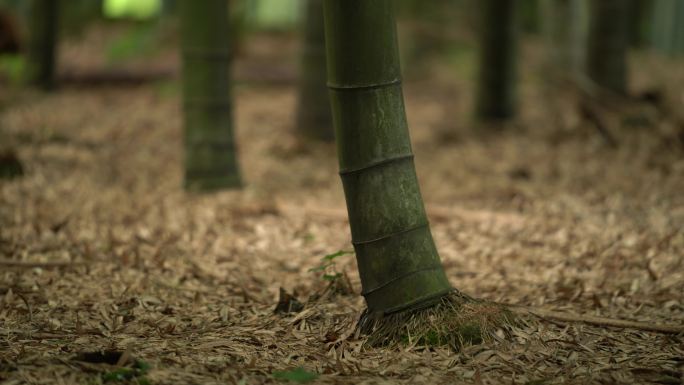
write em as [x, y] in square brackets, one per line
[329, 262]
[337, 281]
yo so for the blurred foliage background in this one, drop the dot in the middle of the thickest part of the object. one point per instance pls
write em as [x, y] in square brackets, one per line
[443, 31]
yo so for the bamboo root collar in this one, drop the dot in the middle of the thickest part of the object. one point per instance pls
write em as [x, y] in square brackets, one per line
[454, 320]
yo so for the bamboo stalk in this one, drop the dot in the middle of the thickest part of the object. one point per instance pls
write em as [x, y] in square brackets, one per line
[42, 47]
[398, 262]
[607, 44]
[562, 20]
[314, 119]
[210, 150]
[497, 64]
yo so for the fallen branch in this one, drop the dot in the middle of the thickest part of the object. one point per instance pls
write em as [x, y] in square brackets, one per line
[600, 321]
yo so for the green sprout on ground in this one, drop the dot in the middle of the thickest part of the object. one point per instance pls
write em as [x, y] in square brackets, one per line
[338, 282]
[328, 266]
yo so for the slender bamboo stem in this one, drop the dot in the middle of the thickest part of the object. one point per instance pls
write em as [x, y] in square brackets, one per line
[639, 15]
[562, 20]
[42, 47]
[210, 151]
[314, 119]
[607, 44]
[497, 67]
[398, 262]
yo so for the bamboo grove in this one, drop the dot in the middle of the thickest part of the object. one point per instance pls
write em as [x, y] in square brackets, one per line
[349, 90]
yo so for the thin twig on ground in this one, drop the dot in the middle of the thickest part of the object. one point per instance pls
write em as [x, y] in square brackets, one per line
[599, 321]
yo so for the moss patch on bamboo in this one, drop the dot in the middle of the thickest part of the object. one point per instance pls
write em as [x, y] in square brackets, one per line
[454, 320]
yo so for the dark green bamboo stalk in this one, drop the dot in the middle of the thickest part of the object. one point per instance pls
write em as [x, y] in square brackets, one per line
[679, 30]
[42, 46]
[529, 15]
[210, 151]
[313, 110]
[607, 44]
[498, 36]
[639, 17]
[398, 263]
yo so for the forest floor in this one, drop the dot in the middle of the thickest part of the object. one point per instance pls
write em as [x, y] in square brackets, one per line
[101, 250]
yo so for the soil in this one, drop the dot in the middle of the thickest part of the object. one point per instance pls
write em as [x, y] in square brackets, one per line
[102, 251]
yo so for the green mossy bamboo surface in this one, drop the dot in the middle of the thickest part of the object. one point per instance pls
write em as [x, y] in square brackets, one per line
[607, 44]
[42, 45]
[210, 151]
[499, 31]
[397, 259]
[314, 119]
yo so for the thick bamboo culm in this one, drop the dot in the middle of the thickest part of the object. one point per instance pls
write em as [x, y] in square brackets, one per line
[210, 150]
[313, 106]
[397, 259]
[42, 45]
